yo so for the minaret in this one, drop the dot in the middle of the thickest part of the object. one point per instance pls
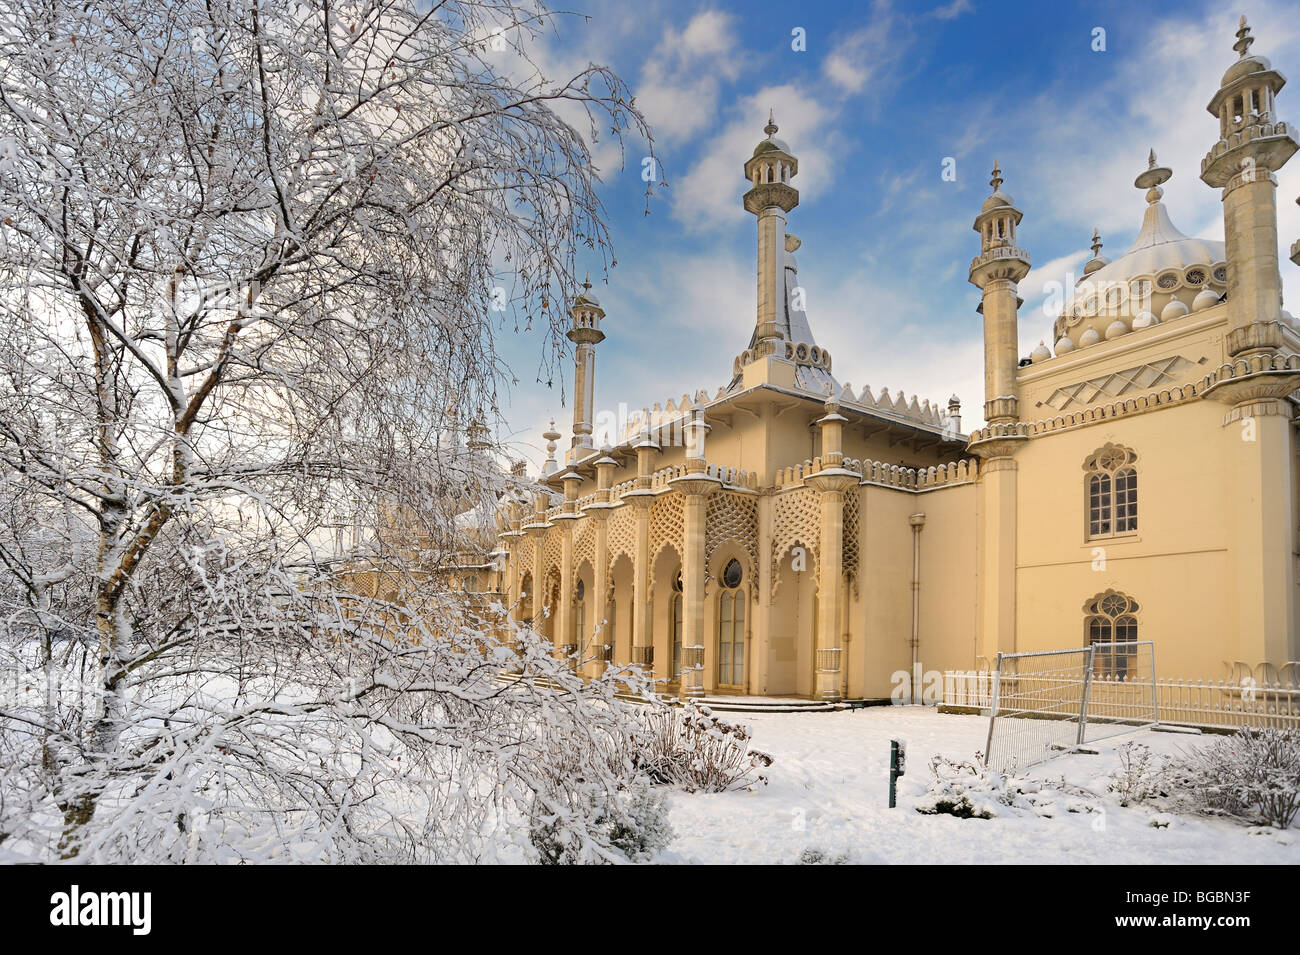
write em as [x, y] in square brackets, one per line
[1253, 144]
[770, 198]
[1258, 443]
[996, 270]
[585, 334]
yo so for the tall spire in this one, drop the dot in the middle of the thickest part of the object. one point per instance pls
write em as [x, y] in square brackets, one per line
[1244, 39]
[771, 197]
[585, 334]
[996, 271]
[1253, 144]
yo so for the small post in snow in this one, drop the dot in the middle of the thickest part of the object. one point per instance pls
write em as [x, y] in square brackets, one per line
[897, 761]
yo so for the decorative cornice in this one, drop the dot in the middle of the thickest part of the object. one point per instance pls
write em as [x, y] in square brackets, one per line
[1007, 262]
[833, 479]
[1270, 145]
[769, 194]
[1254, 371]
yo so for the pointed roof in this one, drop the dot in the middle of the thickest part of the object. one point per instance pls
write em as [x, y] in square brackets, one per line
[1159, 245]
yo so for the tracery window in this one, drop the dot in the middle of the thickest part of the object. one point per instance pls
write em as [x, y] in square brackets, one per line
[731, 626]
[1111, 618]
[1110, 487]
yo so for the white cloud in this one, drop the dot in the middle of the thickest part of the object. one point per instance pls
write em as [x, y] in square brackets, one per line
[867, 56]
[682, 77]
[952, 10]
[709, 195]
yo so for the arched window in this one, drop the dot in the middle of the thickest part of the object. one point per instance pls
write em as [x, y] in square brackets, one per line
[580, 618]
[1110, 618]
[677, 627]
[731, 626]
[1110, 487]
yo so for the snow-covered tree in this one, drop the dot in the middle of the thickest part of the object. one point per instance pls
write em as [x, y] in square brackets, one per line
[253, 256]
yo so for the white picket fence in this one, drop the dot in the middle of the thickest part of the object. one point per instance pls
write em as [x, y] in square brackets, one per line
[1209, 704]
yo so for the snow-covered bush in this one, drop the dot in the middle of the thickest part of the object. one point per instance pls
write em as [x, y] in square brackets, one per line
[970, 790]
[963, 789]
[632, 824]
[816, 856]
[690, 748]
[1254, 773]
[1142, 775]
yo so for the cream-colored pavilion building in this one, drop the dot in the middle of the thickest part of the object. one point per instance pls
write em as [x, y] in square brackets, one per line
[786, 535]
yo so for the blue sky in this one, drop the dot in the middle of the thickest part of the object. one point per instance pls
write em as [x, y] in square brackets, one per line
[883, 93]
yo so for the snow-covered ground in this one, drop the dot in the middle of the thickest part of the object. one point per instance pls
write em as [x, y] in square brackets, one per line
[829, 788]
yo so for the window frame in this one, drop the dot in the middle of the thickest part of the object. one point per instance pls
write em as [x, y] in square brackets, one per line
[732, 599]
[1110, 493]
[1102, 625]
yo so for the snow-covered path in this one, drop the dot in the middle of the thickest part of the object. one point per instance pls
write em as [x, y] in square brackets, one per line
[829, 792]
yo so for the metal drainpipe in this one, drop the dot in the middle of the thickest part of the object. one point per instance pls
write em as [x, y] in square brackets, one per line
[917, 521]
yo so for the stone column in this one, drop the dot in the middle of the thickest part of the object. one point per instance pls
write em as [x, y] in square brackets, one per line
[831, 481]
[760, 652]
[598, 512]
[1257, 432]
[697, 487]
[997, 535]
[697, 484]
[536, 529]
[642, 497]
[568, 642]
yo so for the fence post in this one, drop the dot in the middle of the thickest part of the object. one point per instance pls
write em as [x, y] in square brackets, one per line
[1087, 688]
[993, 705]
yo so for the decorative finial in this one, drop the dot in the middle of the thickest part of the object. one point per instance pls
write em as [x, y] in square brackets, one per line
[1244, 39]
[771, 126]
[586, 283]
[1096, 243]
[996, 181]
[1151, 178]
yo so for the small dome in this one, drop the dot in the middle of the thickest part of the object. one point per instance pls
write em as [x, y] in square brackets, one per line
[1205, 299]
[1089, 337]
[1093, 264]
[1145, 320]
[1174, 310]
[1116, 328]
[1244, 67]
[1064, 345]
[771, 145]
[1041, 353]
[997, 201]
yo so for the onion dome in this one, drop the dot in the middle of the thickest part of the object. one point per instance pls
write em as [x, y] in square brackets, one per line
[1174, 310]
[1098, 261]
[1041, 353]
[1205, 298]
[1248, 62]
[1162, 266]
